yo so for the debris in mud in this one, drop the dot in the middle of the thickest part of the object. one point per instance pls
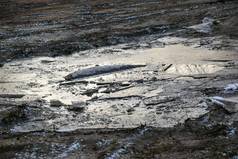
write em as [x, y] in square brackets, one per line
[106, 88]
[166, 67]
[47, 61]
[230, 105]
[123, 83]
[77, 106]
[120, 97]
[90, 92]
[208, 91]
[205, 27]
[113, 89]
[97, 70]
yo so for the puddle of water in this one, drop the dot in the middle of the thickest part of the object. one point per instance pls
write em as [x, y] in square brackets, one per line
[32, 76]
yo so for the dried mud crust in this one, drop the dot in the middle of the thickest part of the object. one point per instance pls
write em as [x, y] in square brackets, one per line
[57, 27]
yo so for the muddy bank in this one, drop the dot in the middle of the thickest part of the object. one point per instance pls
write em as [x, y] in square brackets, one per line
[213, 135]
[55, 27]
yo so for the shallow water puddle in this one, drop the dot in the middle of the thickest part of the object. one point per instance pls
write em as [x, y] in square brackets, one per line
[119, 101]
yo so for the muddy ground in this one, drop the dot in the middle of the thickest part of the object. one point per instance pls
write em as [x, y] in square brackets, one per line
[178, 98]
[56, 27]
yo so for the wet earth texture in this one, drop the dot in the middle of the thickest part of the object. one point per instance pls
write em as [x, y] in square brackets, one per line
[182, 102]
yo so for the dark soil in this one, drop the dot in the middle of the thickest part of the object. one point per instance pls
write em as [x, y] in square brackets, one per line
[57, 27]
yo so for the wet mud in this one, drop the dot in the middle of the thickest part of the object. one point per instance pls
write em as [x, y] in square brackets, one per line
[118, 79]
[56, 27]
